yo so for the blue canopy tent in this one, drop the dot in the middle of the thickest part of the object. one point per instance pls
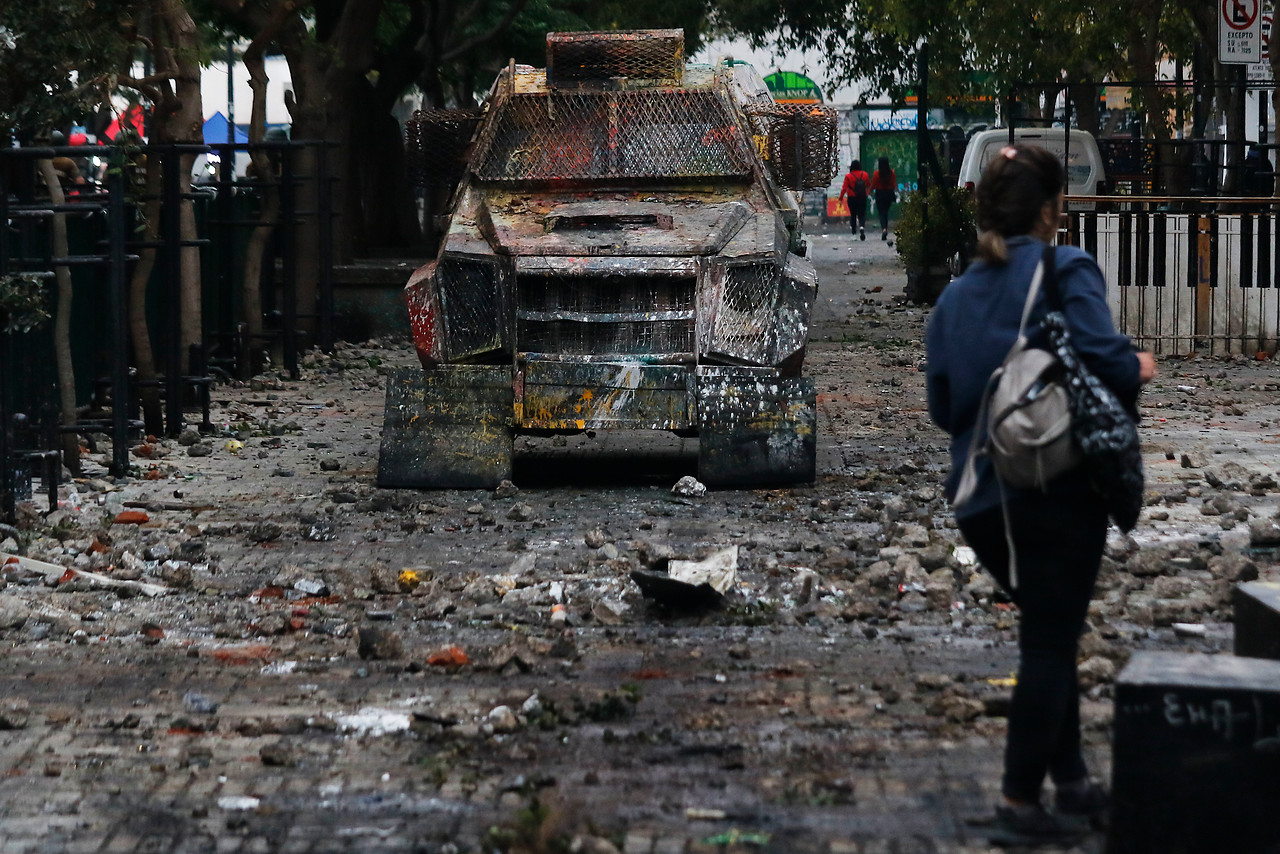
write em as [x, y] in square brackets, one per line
[215, 133]
[215, 130]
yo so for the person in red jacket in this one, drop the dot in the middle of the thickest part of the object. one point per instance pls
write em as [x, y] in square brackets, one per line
[885, 185]
[855, 187]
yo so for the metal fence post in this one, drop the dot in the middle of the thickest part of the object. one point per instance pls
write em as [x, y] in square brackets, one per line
[324, 231]
[288, 263]
[116, 280]
[172, 218]
[7, 503]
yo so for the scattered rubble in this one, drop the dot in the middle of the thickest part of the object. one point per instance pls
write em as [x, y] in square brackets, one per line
[638, 625]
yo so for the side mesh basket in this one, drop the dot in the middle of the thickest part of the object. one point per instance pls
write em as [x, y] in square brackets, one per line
[436, 144]
[801, 142]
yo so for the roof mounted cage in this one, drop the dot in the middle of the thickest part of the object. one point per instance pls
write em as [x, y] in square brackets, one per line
[585, 135]
[576, 58]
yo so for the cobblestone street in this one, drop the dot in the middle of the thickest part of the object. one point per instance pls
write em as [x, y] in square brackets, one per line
[266, 653]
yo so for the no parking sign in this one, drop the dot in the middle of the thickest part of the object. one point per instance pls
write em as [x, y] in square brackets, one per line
[1240, 31]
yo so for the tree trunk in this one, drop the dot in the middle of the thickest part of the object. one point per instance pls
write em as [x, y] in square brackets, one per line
[144, 357]
[1235, 121]
[62, 325]
[1146, 53]
[1084, 106]
[265, 171]
[328, 73]
[388, 215]
[187, 126]
[1273, 56]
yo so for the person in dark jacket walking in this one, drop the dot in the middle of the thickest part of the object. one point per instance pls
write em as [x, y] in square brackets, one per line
[1057, 534]
[855, 186]
[884, 183]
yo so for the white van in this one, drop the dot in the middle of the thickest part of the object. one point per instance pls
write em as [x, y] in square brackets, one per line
[1082, 158]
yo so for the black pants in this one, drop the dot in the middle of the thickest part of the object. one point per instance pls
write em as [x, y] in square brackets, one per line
[884, 201]
[1058, 541]
[857, 213]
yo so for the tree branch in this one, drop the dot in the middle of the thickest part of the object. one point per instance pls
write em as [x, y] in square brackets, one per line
[497, 29]
[145, 86]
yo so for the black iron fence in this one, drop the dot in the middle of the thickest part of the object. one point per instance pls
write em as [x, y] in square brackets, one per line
[104, 215]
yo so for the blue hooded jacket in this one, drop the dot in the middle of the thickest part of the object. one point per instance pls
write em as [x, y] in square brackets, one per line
[976, 322]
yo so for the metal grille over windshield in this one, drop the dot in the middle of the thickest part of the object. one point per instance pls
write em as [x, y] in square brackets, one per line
[567, 135]
[606, 315]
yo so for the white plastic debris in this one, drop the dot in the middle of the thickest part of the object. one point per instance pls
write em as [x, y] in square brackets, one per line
[279, 668]
[719, 571]
[238, 803]
[53, 574]
[373, 721]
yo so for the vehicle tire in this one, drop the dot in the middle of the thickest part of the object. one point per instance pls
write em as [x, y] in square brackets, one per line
[756, 430]
[447, 427]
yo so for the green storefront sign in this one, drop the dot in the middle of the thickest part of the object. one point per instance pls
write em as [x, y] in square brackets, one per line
[790, 87]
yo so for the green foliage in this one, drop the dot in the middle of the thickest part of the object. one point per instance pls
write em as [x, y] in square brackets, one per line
[975, 47]
[930, 230]
[58, 59]
[23, 305]
[526, 39]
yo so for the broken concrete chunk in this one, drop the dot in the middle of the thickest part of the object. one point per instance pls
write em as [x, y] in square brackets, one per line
[609, 612]
[196, 703]
[692, 583]
[503, 720]
[265, 532]
[378, 644]
[1264, 532]
[13, 613]
[520, 512]
[311, 587]
[15, 713]
[719, 571]
[1096, 671]
[689, 487]
[278, 755]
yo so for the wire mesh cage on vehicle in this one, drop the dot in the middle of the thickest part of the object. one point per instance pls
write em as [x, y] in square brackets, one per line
[584, 135]
[656, 55]
[800, 142]
[744, 317]
[436, 143]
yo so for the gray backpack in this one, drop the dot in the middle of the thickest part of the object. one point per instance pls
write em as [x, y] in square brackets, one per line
[1024, 419]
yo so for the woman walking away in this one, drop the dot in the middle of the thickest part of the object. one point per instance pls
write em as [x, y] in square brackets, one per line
[855, 187]
[1056, 534]
[885, 185]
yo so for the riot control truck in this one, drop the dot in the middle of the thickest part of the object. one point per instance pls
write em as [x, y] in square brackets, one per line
[622, 250]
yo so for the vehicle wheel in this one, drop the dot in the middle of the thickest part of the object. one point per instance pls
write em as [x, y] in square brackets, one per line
[447, 427]
[756, 430]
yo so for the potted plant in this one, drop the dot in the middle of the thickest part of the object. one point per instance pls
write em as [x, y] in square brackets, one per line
[935, 230]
